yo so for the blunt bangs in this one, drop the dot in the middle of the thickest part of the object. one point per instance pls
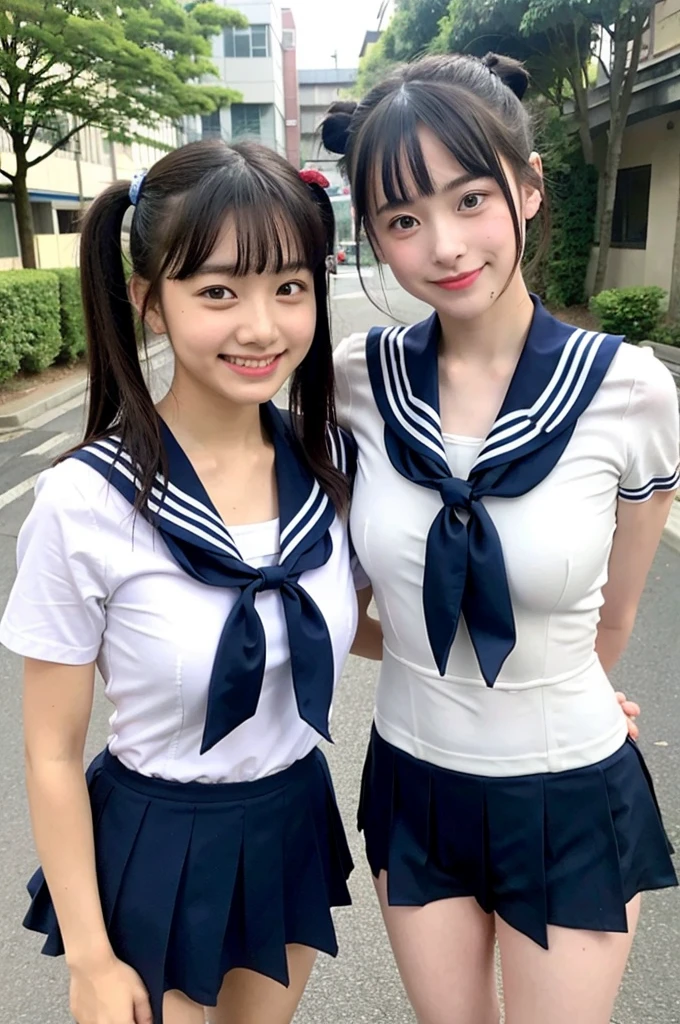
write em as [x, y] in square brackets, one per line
[389, 153]
[275, 224]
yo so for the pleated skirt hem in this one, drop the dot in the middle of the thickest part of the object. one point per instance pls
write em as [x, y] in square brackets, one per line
[196, 880]
[568, 849]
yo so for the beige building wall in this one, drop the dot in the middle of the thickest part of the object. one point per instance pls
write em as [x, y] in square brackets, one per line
[67, 180]
[655, 142]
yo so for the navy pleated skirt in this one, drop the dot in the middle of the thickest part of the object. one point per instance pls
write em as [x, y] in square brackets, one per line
[569, 849]
[196, 879]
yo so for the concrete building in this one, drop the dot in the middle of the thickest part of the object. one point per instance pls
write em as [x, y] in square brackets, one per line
[291, 91]
[648, 186]
[318, 89]
[252, 61]
[61, 187]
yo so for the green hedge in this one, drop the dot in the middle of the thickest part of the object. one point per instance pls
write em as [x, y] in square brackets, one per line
[30, 329]
[72, 321]
[571, 189]
[634, 312]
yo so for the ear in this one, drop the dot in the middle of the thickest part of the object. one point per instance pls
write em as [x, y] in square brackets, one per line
[138, 289]
[531, 195]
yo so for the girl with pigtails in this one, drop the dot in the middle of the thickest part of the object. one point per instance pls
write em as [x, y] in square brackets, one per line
[513, 479]
[194, 552]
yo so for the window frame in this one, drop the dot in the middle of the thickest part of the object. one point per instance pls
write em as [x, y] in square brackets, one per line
[625, 184]
[231, 34]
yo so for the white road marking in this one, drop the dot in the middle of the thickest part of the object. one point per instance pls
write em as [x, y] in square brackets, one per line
[349, 295]
[53, 442]
[17, 492]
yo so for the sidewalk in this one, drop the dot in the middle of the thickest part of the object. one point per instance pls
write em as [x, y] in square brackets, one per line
[17, 413]
[45, 398]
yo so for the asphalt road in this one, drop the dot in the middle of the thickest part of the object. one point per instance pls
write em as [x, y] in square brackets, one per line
[362, 984]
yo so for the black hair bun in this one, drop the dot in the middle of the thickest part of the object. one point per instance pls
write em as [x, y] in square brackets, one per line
[335, 126]
[510, 71]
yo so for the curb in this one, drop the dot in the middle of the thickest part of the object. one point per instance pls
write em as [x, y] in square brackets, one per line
[156, 356]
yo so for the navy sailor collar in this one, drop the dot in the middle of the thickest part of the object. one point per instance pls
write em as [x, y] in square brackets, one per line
[558, 374]
[200, 542]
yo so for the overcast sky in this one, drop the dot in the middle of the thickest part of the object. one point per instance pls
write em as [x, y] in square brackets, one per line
[324, 26]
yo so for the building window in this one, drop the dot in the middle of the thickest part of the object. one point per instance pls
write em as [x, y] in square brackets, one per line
[211, 125]
[9, 244]
[289, 38]
[631, 207]
[247, 42]
[246, 120]
[69, 221]
[42, 218]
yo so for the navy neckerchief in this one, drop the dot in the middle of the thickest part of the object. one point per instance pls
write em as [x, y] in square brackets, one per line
[201, 544]
[556, 378]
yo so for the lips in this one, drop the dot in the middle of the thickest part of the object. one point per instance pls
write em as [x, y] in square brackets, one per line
[459, 281]
[252, 367]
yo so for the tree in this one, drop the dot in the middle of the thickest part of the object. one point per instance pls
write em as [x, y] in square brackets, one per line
[117, 65]
[414, 25]
[561, 38]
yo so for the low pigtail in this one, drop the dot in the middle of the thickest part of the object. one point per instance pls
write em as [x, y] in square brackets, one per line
[119, 399]
[312, 389]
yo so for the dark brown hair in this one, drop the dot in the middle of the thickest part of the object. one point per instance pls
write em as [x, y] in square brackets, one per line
[473, 106]
[184, 201]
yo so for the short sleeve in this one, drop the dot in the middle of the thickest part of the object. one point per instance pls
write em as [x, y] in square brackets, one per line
[652, 433]
[56, 608]
[343, 390]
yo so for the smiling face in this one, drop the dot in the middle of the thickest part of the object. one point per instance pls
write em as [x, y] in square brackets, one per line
[238, 337]
[455, 249]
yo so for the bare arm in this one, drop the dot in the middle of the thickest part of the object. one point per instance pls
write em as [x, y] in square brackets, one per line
[639, 526]
[368, 642]
[57, 708]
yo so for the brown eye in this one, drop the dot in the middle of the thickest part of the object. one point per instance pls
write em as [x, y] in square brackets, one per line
[404, 223]
[218, 294]
[472, 201]
[290, 289]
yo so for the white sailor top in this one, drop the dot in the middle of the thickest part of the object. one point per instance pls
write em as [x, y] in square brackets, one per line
[507, 538]
[97, 583]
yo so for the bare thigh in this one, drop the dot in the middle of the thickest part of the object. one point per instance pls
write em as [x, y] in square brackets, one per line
[576, 979]
[250, 998]
[178, 1009]
[445, 955]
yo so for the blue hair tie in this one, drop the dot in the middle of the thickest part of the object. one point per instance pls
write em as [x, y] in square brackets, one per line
[136, 186]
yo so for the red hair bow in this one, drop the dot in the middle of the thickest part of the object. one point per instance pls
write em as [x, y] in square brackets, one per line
[314, 177]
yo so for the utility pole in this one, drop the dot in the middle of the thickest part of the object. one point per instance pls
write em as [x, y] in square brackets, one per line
[334, 58]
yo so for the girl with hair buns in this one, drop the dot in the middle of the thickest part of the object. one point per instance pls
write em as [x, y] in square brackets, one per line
[514, 475]
[196, 553]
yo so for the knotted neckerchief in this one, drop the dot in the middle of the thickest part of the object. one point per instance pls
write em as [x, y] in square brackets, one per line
[201, 544]
[558, 374]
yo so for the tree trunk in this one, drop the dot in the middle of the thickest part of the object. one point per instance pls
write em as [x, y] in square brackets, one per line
[22, 207]
[581, 112]
[674, 303]
[620, 96]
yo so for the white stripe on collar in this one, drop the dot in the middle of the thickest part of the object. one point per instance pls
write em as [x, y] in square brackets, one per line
[322, 504]
[556, 400]
[408, 417]
[162, 510]
[171, 488]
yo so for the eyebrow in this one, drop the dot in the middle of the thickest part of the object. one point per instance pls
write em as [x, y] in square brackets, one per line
[229, 269]
[455, 183]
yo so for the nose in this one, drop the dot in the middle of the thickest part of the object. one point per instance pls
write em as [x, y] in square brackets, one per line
[448, 243]
[258, 326]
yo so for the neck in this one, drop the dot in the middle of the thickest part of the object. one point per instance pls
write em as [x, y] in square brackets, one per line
[204, 421]
[497, 336]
